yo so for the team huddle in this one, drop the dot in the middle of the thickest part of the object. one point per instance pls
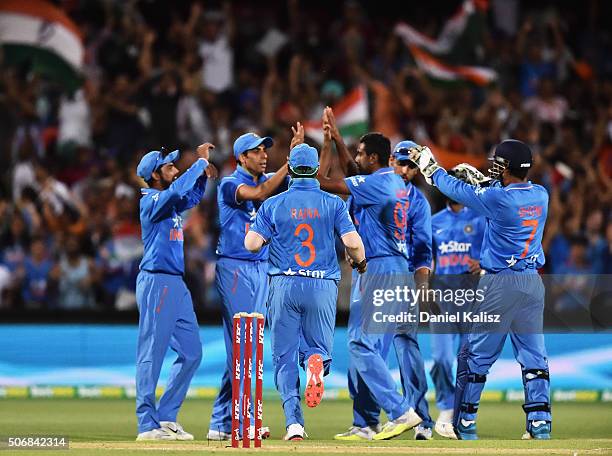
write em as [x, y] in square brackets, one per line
[277, 255]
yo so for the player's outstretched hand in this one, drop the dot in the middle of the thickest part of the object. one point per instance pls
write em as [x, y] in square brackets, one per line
[330, 120]
[298, 135]
[425, 161]
[203, 150]
[211, 171]
[471, 175]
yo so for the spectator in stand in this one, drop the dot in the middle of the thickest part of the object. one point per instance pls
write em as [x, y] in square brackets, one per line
[35, 276]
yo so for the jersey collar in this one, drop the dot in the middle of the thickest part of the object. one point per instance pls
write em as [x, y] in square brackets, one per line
[383, 170]
[245, 175]
[519, 186]
[304, 183]
[456, 214]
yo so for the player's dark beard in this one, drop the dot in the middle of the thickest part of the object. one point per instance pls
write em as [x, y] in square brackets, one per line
[165, 183]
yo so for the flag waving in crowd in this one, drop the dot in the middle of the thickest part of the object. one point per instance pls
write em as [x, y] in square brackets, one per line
[450, 57]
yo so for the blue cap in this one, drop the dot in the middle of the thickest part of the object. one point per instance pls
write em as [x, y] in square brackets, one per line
[154, 160]
[402, 149]
[303, 155]
[250, 141]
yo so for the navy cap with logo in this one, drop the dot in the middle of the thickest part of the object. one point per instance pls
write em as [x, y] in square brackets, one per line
[517, 153]
[250, 141]
[510, 154]
[154, 160]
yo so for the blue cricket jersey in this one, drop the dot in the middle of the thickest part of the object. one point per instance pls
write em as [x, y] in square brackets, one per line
[235, 217]
[516, 215]
[300, 225]
[380, 207]
[457, 238]
[162, 224]
[418, 229]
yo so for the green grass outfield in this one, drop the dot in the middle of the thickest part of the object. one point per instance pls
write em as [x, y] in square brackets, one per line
[108, 426]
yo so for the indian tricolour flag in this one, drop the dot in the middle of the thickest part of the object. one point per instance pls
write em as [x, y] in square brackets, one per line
[39, 33]
[441, 71]
[352, 117]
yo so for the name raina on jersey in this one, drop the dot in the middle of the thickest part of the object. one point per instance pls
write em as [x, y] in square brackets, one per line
[303, 213]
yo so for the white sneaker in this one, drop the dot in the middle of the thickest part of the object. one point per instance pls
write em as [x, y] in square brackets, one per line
[172, 427]
[399, 425]
[358, 433]
[218, 435]
[422, 433]
[444, 424]
[156, 434]
[264, 432]
[446, 416]
[445, 430]
[295, 432]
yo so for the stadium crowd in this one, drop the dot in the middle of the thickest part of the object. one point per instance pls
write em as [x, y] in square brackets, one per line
[174, 74]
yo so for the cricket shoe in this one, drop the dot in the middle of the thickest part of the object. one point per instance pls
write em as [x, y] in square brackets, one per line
[218, 435]
[540, 430]
[264, 432]
[356, 433]
[172, 427]
[314, 381]
[156, 434]
[399, 425]
[422, 433]
[295, 432]
[466, 430]
[444, 424]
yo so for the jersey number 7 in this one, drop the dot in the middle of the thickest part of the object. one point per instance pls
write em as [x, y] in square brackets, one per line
[306, 243]
[534, 226]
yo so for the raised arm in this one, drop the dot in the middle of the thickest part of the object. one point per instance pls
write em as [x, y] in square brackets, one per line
[264, 190]
[347, 162]
[195, 195]
[160, 204]
[325, 158]
[483, 200]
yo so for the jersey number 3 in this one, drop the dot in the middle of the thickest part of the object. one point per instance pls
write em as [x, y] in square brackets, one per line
[305, 243]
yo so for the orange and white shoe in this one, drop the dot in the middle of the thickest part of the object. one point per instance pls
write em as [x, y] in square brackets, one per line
[314, 381]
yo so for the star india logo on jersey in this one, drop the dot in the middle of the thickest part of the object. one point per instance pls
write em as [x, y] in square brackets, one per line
[305, 273]
[454, 247]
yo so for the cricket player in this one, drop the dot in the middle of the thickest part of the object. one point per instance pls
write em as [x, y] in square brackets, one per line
[418, 236]
[167, 318]
[380, 200]
[457, 238]
[511, 253]
[241, 276]
[301, 225]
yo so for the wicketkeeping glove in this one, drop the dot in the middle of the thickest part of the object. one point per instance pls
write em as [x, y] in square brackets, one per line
[467, 173]
[425, 161]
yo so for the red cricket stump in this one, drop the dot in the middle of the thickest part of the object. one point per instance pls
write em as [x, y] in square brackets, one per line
[259, 330]
[248, 370]
[243, 373]
[236, 382]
